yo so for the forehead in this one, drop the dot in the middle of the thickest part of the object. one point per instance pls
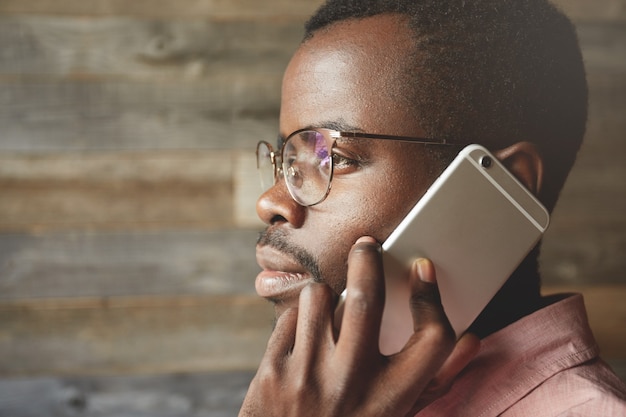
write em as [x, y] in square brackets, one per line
[353, 72]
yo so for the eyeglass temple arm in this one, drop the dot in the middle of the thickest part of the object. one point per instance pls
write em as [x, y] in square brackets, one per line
[426, 141]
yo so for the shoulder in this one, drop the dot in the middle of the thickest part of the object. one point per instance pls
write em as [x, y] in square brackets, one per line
[590, 389]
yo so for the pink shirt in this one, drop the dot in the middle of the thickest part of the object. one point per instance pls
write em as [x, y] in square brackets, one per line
[545, 364]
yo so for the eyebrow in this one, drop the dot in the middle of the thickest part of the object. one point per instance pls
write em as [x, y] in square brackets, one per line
[338, 125]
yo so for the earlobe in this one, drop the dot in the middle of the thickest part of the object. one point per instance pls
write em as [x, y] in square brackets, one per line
[525, 162]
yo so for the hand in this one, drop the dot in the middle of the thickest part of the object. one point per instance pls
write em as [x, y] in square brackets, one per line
[308, 370]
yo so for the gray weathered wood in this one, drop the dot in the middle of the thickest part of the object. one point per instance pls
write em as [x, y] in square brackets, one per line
[133, 334]
[71, 84]
[603, 45]
[144, 49]
[117, 190]
[73, 115]
[127, 264]
[190, 9]
[216, 394]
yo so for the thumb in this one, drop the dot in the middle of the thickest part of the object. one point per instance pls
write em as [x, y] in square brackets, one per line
[426, 306]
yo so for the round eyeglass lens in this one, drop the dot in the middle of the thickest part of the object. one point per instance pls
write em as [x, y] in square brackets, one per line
[307, 166]
[264, 165]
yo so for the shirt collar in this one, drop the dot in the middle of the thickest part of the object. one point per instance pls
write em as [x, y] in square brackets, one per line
[516, 359]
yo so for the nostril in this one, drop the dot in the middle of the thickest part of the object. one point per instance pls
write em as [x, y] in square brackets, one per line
[277, 219]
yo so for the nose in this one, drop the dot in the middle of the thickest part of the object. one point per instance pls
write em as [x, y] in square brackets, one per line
[276, 206]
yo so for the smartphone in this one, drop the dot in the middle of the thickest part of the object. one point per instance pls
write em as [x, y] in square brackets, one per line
[476, 223]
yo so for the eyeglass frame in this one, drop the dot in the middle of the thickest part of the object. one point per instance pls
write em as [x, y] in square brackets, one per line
[334, 134]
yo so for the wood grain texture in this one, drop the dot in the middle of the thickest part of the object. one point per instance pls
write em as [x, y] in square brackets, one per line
[117, 190]
[109, 264]
[143, 49]
[130, 335]
[119, 115]
[189, 9]
[111, 84]
[215, 394]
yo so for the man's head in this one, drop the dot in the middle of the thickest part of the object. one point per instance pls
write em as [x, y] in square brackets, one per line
[493, 72]
[487, 71]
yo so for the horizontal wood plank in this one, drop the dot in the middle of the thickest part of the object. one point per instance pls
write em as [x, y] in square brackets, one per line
[189, 9]
[88, 264]
[215, 394]
[118, 190]
[143, 49]
[167, 334]
[74, 116]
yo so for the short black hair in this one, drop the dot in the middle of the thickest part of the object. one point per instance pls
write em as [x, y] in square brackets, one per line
[493, 72]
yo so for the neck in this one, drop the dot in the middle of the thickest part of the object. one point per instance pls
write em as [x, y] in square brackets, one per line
[518, 297]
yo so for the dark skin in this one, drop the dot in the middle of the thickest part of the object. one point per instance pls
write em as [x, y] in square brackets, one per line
[345, 77]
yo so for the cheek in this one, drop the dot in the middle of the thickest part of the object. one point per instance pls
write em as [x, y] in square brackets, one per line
[373, 208]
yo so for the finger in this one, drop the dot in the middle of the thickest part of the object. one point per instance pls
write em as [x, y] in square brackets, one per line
[464, 351]
[425, 299]
[365, 297]
[281, 340]
[433, 340]
[314, 329]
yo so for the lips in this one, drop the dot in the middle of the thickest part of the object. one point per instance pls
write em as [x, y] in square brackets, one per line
[282, 277]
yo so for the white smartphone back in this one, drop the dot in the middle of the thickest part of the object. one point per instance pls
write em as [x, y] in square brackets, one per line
[476, 223]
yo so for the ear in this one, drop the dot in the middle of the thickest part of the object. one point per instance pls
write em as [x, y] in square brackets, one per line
[525, 162]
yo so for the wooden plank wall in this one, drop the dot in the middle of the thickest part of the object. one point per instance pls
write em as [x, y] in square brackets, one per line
[127, 182]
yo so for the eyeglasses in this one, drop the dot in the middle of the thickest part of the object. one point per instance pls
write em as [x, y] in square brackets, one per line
[306, 161]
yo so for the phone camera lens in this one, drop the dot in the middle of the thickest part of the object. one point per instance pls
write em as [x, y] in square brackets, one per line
[486, 161]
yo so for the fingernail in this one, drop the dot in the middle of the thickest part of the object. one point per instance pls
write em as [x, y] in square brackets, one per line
[424, 270]
[367, 239]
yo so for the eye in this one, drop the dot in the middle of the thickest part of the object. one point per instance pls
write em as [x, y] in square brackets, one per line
[344, 164]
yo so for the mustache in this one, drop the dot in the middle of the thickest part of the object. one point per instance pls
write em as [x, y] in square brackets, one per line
[277, 239]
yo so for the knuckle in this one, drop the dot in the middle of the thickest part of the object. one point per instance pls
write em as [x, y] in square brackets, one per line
[286, 318]
[315, 290]
[267, 376]
[437, 334]
[423, 300]
[301, 382]
[360, 301]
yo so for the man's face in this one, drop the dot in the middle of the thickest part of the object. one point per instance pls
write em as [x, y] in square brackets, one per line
[347, 78]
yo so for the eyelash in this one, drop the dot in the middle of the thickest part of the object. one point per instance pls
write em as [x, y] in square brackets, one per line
[342, 161]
